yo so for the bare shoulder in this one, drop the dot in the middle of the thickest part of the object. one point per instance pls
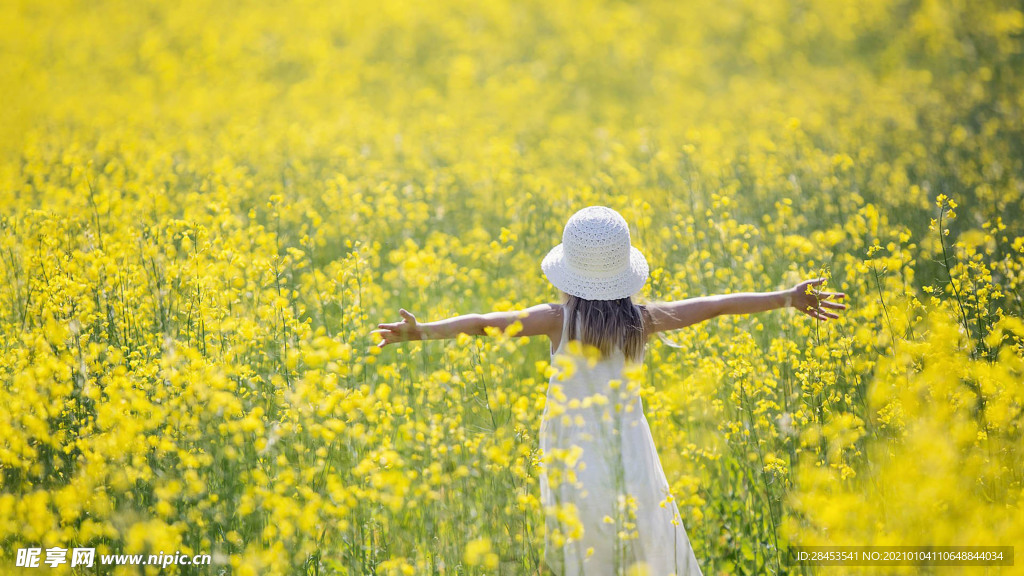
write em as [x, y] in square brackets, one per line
[556, 313]
[549, 318]
[545, 319]
[543, 312]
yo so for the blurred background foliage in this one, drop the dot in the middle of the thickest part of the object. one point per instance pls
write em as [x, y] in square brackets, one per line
[205, 207]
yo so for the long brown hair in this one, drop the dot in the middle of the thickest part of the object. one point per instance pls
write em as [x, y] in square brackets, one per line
[606, 324]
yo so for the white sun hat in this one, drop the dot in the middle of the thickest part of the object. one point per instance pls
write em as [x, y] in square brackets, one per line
[595, 260]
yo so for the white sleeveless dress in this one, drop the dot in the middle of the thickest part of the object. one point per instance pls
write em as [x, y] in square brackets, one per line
[619, 493]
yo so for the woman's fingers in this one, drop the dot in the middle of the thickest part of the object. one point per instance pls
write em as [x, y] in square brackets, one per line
[816, 315]
[819, 313]
[407, 318]
[392, 325]
[832, 305]
[391, 332]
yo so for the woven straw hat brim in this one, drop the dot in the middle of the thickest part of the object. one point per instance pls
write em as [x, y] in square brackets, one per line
[570, 281]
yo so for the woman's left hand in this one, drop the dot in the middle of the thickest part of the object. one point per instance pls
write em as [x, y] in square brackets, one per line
[814, 303]
[392, 332]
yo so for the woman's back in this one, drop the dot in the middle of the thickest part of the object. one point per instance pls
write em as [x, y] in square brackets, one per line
[599, 458]
[571, 354]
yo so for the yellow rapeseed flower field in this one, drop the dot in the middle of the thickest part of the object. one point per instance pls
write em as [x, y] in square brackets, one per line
[205, 207]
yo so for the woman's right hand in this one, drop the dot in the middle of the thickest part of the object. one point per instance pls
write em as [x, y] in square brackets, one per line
[393, 332]
[805, 298]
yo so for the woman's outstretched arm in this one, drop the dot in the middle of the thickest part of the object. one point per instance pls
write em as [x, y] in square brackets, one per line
[543, 319]
[803, 297]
